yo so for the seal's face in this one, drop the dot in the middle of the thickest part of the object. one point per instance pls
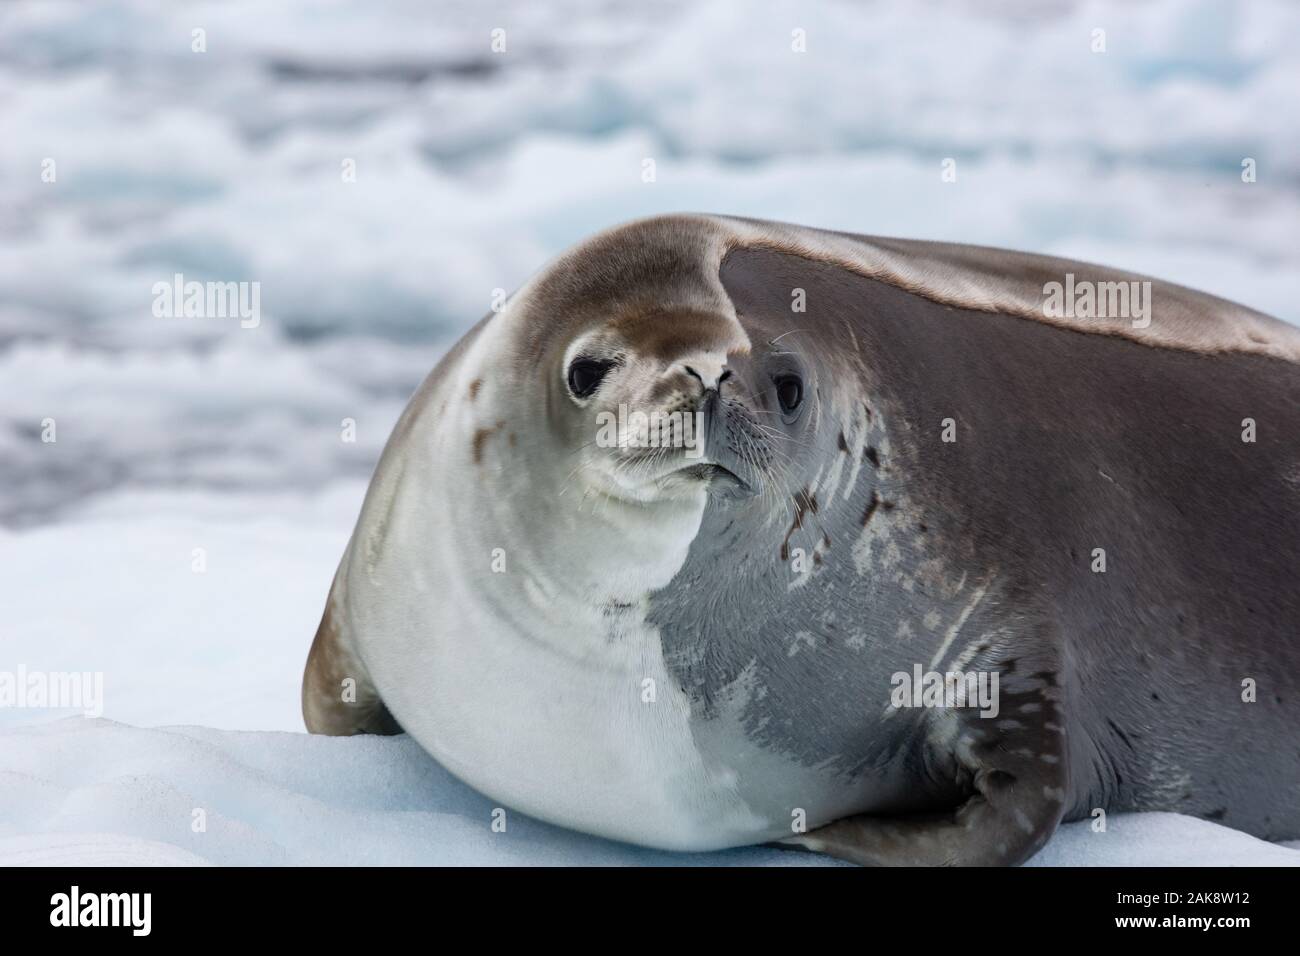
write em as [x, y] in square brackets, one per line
[669, 404]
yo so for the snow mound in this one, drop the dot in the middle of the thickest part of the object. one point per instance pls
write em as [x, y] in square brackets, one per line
[91, 849]
[96, 792]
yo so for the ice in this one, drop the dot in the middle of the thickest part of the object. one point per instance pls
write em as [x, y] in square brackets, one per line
[94, 792]
[117, 592]
[1160, 839]
[472, 167]
[272, 798]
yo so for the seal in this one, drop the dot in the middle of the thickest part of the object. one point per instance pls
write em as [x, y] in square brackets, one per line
[914, 551]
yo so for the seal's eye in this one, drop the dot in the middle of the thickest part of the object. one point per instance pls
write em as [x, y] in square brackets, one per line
[789, 392]
[585, 375]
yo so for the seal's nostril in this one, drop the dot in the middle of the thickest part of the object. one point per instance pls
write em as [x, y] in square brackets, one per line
[690, 371]
[724, 376]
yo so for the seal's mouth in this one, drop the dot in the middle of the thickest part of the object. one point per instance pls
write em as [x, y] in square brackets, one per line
[708, 471]
[718, 480]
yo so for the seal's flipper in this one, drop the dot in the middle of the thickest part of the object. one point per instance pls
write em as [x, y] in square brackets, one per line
[1018, 775]
[338, 697]
[1004, 824]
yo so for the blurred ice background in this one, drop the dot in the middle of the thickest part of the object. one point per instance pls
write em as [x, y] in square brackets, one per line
[472, 168]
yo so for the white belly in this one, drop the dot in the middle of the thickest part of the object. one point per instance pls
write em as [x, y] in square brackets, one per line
[598, 742]
[522, 683]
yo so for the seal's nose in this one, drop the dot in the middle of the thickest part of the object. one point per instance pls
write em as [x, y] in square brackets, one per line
[709, 379]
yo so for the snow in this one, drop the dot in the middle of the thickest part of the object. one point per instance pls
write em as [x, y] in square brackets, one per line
[180, 438]
[96, 792]
[116, 592]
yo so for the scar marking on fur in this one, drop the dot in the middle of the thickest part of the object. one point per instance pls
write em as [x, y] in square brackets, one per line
[872, 505]
[1122, 735]
[953, 631]
[804, 502]
[481, 435]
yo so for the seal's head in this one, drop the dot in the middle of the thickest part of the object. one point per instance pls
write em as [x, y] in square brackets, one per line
[649, 379]
[667, 403]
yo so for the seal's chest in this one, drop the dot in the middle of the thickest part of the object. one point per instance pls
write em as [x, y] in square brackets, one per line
[598, 741]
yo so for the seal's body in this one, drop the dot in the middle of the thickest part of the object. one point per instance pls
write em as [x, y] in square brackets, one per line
[907, 467]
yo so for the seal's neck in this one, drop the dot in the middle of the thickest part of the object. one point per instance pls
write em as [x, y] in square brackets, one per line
[584, 545]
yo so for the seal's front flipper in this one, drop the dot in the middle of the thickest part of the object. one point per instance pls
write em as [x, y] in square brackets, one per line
[1018, 774]
[338, 697]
